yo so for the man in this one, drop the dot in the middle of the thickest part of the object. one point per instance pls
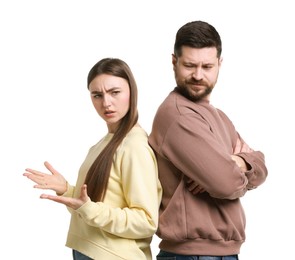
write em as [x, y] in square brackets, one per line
[204, 164]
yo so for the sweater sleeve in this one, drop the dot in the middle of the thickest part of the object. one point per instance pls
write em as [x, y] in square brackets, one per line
[255, 159]
[192, 146]
[69, 193]
[142, 193]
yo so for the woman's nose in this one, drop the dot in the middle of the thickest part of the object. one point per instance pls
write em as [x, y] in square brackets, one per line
[106, 101]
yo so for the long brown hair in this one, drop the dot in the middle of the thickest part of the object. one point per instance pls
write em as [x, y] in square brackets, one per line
[98, 174]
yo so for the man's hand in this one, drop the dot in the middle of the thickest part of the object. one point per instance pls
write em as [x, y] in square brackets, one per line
[240, 163]
[193, 187]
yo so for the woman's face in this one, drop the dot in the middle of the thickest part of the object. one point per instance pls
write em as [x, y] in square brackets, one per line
[110, 96]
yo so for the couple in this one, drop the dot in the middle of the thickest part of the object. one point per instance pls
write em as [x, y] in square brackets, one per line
[183, 181]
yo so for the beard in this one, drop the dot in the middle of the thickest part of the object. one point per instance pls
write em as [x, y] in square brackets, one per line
[187, 90]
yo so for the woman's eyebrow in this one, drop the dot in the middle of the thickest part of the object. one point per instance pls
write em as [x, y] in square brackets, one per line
[108, 90]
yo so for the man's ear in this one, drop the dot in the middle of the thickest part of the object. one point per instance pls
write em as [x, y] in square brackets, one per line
[220, 61]
[174, 61]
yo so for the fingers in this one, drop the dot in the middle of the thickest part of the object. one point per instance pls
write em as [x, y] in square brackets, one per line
[84, 190]
[240, 162]
[58, 199]
[83, 195]
[197, 190]
[31, 171]
[40, 184]
[189, 181]
[50, 168]
[193, 187]
[38, 177]
[73, 203]
[45, 196]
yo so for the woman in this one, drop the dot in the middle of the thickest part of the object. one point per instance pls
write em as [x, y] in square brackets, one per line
[114, 205]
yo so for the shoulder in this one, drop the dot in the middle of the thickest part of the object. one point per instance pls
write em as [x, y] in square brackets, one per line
[135, 145]
[224, 116]
[136, 139]
[136, 134]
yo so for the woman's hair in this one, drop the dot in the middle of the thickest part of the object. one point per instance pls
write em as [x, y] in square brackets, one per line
[99, 172]
[197, 34]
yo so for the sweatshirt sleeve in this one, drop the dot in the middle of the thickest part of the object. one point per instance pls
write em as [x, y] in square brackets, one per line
[69, 193]
[193, 147]
[257, 173]
[142, 193]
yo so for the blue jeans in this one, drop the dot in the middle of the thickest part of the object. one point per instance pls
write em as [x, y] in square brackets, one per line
[163, 255]
[79, 256]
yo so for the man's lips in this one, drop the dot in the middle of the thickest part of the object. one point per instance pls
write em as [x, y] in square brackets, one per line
[197, 87]
[196, 83]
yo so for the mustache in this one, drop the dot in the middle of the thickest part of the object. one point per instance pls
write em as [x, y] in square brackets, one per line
[196, 82]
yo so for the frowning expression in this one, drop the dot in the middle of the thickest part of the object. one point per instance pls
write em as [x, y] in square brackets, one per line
[110, 96]
[196, 71]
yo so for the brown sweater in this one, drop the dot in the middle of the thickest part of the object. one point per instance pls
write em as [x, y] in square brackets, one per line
[194, 140]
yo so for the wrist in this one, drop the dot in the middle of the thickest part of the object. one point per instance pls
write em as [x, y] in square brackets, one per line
[63, 190]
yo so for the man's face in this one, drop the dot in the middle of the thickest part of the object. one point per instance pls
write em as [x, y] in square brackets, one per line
[196, 72]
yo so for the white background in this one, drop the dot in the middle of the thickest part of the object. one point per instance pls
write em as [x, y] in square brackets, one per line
[46, 51]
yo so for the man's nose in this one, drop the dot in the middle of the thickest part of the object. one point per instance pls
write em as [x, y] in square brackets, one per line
[198, 74]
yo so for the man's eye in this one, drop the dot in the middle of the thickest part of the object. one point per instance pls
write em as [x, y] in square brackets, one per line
[207, 67]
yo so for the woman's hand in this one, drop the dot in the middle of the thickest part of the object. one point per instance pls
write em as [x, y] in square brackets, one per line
[54, 181]
[73, 203]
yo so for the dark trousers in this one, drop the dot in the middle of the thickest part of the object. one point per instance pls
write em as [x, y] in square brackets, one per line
[79, 256]
[163, 255]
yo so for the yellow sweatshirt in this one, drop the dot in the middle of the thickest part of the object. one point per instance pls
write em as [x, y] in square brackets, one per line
[122, 226]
